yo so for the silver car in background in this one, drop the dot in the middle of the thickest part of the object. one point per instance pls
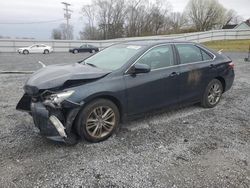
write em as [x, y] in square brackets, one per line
[36, 48]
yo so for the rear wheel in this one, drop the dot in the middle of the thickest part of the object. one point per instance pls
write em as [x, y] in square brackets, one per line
[98, 120]
[75, 51]
[212, 94]
[25, 52]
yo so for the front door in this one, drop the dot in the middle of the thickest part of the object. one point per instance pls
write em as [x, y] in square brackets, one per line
[83, 48]
[34, 49]
[157, 88]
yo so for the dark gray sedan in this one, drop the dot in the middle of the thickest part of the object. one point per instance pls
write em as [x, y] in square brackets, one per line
[84, 48]
[88, 99]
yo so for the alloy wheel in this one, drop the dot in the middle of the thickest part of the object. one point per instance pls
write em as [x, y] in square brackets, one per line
[100, 122]
[214, 94]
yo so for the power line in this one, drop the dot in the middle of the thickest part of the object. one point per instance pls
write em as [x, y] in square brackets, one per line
[35, 22]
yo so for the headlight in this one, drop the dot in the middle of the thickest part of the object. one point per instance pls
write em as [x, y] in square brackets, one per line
[60, 97]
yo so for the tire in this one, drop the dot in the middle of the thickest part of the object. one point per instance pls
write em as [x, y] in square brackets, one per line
[75, 51]
[46, 51]
[94, 128]
[92, 51]
[25, 52]
[212, 94]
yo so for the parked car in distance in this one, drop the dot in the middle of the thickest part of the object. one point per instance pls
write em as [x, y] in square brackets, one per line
[88, 99]
[84, 48]
[36, 48]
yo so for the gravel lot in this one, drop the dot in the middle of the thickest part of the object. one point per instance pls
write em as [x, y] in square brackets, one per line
[185, 147]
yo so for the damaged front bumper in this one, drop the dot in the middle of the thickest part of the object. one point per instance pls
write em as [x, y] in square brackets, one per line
[53, 122]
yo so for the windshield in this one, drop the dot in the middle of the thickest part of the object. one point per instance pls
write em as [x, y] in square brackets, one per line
[114, 57]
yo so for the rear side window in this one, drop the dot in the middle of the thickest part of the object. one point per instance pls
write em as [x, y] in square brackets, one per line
[189, 53]
[205, 55]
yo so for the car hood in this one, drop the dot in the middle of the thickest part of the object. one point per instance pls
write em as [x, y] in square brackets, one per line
[55, 76]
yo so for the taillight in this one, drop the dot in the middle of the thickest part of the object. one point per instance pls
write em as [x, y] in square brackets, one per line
[231, 65]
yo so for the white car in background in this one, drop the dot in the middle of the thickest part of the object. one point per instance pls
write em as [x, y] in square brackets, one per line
[36, 48]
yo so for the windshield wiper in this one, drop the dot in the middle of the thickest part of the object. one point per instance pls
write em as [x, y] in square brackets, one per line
[90, 64]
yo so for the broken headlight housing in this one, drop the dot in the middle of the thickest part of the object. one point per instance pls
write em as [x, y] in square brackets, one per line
[57, 98]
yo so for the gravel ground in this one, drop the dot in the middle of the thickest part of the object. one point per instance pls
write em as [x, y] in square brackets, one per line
[185, 147]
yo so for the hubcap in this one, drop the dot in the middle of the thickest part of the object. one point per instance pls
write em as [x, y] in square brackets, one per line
[100, 122]
[214, 94]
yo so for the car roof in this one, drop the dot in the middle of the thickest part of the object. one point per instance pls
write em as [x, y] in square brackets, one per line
[38, 44]
[154, 42]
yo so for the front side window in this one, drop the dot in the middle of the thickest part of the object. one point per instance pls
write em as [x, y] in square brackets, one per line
[158, 57]
[113, 57]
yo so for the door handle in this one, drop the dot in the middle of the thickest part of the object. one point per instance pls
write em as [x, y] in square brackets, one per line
[174, 74]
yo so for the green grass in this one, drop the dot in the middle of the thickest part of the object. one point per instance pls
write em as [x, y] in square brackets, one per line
[229, 45]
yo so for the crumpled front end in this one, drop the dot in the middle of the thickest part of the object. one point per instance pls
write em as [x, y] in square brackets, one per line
[53, 116]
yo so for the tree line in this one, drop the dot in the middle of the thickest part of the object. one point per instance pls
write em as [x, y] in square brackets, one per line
[108, 19]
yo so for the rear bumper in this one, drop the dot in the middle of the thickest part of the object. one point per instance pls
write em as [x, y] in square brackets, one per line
[229, 79]
[20, 51]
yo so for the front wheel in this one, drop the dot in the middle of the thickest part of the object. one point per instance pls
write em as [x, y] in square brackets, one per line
[212, 94]
[98, 120]
[46, 51]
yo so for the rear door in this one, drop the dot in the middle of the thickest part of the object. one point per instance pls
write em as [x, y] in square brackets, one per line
[196, 70]
[157, 88]
[41, 48]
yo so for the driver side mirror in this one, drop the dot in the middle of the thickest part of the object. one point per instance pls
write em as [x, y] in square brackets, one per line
[139, 68]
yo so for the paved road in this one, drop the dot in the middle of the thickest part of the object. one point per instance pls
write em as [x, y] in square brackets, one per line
[20, 62]
[186, 147]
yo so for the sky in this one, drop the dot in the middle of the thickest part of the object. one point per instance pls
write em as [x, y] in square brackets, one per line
[23, 11]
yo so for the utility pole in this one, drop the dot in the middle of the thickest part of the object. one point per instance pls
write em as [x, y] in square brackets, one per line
[67, 16]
